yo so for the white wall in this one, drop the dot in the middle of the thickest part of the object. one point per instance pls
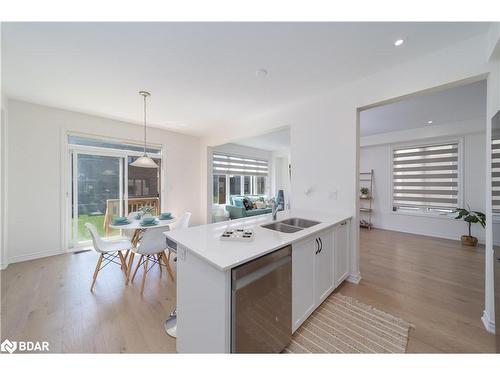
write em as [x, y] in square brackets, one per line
[378, 158]
[493, 105]
[3, 125]
[281, 179]
[36, 166]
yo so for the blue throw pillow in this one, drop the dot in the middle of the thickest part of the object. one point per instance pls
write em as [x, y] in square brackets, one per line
[238, 202]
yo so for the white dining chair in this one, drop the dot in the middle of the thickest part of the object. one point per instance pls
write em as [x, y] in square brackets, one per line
[182, 224]
[151, 248]
[108, 251]
[131, 234]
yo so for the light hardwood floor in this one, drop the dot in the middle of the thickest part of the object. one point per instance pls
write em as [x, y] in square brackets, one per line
[435, 284]
[49, 299]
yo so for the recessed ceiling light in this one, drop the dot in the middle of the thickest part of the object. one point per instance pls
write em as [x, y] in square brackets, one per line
[429, 122]
[399, 42]
[261, 73]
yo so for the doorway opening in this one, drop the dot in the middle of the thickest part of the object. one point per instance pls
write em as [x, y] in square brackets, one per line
[421, 157]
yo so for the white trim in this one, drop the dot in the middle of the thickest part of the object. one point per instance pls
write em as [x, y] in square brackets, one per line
[3, 266]
[423, 214]
[354, 278]
[113, 139]
[421, 233]
[37, 255]
[489, 325]
[435, 142]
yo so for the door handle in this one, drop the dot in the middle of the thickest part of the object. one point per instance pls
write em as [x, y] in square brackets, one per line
[317, 247]
[498, 259]
[321, 244]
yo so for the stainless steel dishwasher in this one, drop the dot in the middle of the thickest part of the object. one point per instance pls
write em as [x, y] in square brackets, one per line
[261, 304]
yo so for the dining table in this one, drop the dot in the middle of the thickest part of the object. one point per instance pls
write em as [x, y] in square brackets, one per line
[136, 226]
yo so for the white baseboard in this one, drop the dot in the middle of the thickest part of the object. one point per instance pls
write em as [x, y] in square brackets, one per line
[421, 233]
[354, 278]
[488, 323]
[3, 266]
[31, 256]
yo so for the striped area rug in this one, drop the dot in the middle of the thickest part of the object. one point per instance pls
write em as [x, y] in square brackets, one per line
[344, 325]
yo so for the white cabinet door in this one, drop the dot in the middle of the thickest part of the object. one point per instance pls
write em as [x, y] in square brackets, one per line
[341, 261]
[303, 299]
[324, 266]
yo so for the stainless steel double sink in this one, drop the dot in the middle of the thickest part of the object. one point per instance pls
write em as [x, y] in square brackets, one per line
[291, 225]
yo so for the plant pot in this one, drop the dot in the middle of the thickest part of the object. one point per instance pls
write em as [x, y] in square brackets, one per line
[469, 240]
[364, 196]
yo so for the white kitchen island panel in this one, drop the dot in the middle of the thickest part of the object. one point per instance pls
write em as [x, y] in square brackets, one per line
[203, 306]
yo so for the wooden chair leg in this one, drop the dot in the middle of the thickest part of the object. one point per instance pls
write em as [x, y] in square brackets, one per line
[144, 274]
[97, 268]
[159, 258]
[127, 253]
[169, 269]
[135, 237]
[123, 263]
[129, 268]
[137, 267]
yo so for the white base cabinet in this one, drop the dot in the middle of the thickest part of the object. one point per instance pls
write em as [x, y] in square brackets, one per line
[341, 253]
[315, 273]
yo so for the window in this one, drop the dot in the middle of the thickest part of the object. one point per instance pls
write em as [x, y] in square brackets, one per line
[426, 178]
[143, 182]
[242, 176]
[260, 185]
[219, 189]
[237, 165]
[247, 185]
[495, 170]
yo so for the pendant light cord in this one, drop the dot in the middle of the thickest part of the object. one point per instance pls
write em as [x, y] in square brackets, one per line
[145, 125]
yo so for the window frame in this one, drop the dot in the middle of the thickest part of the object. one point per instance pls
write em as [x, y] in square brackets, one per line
[460, 179]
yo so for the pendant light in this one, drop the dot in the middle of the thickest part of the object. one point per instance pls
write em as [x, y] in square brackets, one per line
[144, 161]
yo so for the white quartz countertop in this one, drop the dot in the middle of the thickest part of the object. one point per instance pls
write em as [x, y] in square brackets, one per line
[204, 240]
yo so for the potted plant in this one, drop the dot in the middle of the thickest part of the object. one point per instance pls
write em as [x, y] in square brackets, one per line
[147, 211]
[364, 192]
[470, 217]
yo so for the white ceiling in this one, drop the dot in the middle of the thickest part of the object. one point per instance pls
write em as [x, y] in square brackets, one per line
[202, 75]
[461, 103]
[274, 141]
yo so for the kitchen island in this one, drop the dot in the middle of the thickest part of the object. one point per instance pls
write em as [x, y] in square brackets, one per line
[205, 262]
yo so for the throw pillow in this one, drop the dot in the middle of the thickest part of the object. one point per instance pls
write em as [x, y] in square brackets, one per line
[260, 204]
[238, 202]
[248, 205]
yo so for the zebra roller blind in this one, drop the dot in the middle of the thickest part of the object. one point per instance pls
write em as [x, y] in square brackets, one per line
[426, 178]
[239, 165]
[495, 170]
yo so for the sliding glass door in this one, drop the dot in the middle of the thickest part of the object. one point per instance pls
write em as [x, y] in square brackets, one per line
[104, 185]
[98, 194]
